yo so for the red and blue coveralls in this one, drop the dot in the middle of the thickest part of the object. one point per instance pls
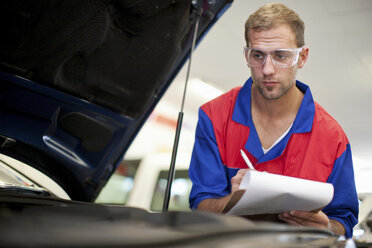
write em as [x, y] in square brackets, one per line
[315, 148]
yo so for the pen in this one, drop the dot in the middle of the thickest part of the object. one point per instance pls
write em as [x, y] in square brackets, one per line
[246, 159]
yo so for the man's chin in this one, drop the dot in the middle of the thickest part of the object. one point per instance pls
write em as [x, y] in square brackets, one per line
[269, 94]
[271, 97]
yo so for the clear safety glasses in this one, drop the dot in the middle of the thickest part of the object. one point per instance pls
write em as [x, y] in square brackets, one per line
[282, 58]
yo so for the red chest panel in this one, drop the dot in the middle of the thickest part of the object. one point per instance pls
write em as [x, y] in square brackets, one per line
[307, 155]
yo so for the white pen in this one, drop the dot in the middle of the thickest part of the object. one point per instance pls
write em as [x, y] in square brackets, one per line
[247, 161]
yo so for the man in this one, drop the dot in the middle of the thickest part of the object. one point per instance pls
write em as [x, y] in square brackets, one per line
[275, 121]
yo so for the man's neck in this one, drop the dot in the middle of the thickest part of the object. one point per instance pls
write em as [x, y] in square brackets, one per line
[272, 117]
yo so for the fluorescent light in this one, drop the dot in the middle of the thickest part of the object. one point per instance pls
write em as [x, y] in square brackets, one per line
[204, 90]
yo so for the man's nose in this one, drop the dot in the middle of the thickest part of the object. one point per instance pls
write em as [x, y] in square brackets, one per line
[268, 67]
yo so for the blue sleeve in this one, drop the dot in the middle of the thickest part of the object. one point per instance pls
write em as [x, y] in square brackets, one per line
[344, 206]
[210, 178]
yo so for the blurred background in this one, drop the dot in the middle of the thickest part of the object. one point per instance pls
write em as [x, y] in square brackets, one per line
[338, 71]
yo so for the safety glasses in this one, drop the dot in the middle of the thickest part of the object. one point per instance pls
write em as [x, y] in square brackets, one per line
[282, 58]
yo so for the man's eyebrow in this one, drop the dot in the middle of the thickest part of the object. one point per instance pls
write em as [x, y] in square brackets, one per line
[258, 50]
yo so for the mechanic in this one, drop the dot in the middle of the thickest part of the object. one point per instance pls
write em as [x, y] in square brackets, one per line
[275, 121]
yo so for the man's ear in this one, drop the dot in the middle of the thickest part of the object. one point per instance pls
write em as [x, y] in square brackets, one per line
[303, 57]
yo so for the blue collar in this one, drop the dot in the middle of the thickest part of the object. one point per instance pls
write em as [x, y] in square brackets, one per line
[302, 124]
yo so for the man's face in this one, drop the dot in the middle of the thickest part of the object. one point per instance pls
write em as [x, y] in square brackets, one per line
[273, 82]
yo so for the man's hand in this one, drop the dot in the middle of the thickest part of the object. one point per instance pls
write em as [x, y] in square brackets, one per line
[216, 205]
[312, 219]
[237, 179]
[305, 218]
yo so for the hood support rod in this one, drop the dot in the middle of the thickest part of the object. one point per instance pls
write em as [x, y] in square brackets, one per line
[171, 172]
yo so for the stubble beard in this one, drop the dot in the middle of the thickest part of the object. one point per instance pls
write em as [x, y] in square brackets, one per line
[277, 91]
[274, 93]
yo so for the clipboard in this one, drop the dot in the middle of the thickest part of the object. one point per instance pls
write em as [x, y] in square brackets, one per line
[267, 193]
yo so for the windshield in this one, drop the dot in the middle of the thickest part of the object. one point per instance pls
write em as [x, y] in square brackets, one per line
[10, 176]
[32, 180]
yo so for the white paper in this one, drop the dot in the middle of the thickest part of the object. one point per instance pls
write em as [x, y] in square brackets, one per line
[267, 193]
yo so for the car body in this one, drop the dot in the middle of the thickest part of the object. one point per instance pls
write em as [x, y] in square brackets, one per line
[78, 80]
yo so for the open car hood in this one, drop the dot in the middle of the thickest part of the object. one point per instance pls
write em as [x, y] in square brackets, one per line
[79, 78]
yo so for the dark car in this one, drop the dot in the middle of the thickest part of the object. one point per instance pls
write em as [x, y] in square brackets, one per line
[78, 79]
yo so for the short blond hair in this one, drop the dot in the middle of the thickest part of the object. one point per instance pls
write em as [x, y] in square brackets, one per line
[270, 15]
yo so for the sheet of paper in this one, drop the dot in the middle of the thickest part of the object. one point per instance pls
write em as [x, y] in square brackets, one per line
[266, 193]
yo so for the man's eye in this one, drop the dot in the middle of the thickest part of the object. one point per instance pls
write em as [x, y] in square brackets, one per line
[281, 55]
[257, 55]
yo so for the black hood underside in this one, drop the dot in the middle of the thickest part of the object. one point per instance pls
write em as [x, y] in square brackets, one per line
[113, 53]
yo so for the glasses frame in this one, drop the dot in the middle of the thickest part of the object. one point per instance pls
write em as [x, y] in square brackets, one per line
[246, 50]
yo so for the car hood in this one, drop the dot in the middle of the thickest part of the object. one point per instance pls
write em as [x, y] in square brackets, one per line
[79, 78]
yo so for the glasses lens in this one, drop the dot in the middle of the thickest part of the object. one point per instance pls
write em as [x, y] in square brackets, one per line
[283, 58]
[255, 57]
